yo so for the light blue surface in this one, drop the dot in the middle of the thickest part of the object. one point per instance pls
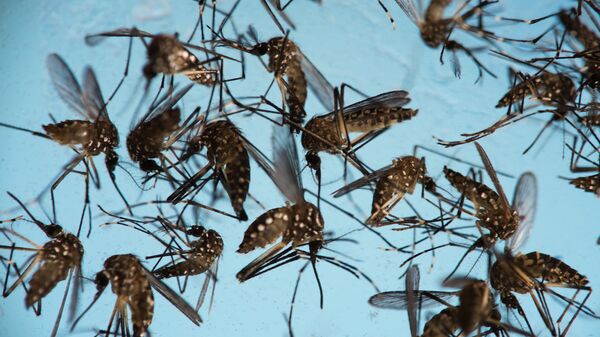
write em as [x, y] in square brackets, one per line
[350, 41]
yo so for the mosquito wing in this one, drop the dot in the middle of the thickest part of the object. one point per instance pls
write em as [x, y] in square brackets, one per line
[362, 181]
[398, 300]
[167, 103]
[287, 167]
[317, 83]
[390, 99]
[66, 85]
[409, 8]
[412, 280]
[173, 297]
[92, 96]
[525, 203]
[95, 39]
[492, 173]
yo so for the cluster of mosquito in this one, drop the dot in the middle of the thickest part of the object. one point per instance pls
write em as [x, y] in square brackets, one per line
[206, 146]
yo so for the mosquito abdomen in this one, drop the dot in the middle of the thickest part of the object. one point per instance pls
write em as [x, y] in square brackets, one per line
[71, 132]
[441, 325]
[265, 229]
[377, 118]
[551, 269]
[588, 184]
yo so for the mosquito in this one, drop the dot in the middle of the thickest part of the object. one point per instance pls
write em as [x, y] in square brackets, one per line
[435, 30]
[293, 72]
[492, 209]
[227, 151]
[57, 260]
[156, 132]
[189, 257]
[476, 307]
[88, 138]
[392, 182]
[133, 284]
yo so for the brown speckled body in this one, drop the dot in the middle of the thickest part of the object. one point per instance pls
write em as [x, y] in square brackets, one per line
[588, 184]
[225, 148]
[296, 224]
[146, 141]
[492, 213]
[130, 284]
[167, 55]
[199, 258]
[284, 60]
[442, 325]
[364, 120]
[591, 120]
[58, 257]
[517, 274]
[476, 306]
[94, 137]
[404, 175]
[551, 89]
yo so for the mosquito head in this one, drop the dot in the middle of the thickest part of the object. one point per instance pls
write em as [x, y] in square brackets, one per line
[53, 231]
[150, 165]
[259, 49]
[101, 280]
[111, 160]
[149, 73]
[313, 160]
[196, 231]
[429, 184]
[194, 146]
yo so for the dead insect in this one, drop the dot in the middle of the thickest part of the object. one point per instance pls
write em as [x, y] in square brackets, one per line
[553, 89]
[436, 30]
[156, 132]
[189, 257]
[297, 224]
[90, 137]
[370, 117]
[227, 153]
[476, 307]
[287, 60]
[133, 283]
[492, 209]
[166, 55]
[392, 183]
[57, 260]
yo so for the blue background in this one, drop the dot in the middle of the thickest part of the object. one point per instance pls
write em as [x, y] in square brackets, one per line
[349, 41]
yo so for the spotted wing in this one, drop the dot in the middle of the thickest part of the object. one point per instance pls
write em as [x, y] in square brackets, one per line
[362, 181]
[172, 297]
[525, 203]
[66, 84]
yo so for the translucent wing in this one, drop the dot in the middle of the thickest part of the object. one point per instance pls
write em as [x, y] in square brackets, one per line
[92, 96]
[412, 287]
[492, 173]
[94, 39]
[398, 300]
[65, 84]
[390, 99]
[525, 203]
[173, 297]
[167, 103]
[287, 167]
[317, 83]
[409, 8]
[362, 181]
